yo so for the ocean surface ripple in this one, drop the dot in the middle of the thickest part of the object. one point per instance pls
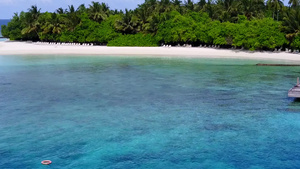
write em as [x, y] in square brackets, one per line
[124, 113]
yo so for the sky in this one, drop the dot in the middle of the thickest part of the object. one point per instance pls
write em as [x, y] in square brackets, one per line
[9, 7]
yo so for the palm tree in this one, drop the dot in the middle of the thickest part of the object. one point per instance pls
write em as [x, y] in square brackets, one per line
[81, 9]
[72, 17]
[71, 9]
[189, 5]
[153, 22]
[151, 5]
[294, 3]
[105, 8]
[143, 15]
[291, 23]
[31, 22]
[177, 5]
[129, 23]
[200, 5]
[276, 6]
[55, 24]
[60, 11]
[252, 8]
[116, 12]
[98, 12]
[208, 8]
[164, 6]
[227, 10]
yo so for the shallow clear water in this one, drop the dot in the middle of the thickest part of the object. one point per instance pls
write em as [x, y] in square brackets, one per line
[117, 112]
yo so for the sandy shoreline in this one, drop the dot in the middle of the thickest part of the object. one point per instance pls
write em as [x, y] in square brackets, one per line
[25, 48]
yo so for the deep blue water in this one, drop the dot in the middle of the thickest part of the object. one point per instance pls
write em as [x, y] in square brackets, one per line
[3, 22]
[117, 112]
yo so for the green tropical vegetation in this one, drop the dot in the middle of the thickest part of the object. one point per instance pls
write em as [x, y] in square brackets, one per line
[247, 24]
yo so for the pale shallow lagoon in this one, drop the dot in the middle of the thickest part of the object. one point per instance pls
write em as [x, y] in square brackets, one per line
[118, 112]
[3, 39]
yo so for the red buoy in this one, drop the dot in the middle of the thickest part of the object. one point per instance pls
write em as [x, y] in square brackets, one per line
[46, 162]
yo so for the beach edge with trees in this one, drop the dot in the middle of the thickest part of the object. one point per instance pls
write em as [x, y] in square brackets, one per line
[244, 24]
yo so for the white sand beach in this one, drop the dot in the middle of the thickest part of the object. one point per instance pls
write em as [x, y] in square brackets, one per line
[29, 48]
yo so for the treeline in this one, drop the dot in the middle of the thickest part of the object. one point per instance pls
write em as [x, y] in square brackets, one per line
[249, 24]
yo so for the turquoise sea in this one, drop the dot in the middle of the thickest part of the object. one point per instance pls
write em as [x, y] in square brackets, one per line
[146, 113]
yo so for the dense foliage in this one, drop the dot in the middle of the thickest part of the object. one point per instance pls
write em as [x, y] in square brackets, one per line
[138, 39]
[249, 24]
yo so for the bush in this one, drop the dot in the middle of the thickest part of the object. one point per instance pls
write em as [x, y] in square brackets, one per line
[134, 40]
[105, 32]
[259, 34]
[296, 42]
[177, 29]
